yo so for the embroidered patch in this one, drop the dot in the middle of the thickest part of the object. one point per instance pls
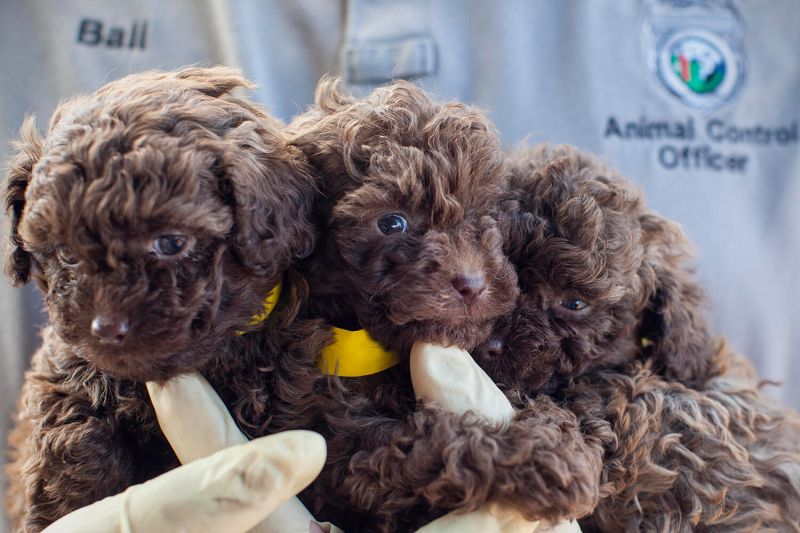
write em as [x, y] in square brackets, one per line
[694, 48]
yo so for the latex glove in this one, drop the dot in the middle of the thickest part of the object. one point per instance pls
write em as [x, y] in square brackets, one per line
[197, 424]
[450, 377]
[229, 491]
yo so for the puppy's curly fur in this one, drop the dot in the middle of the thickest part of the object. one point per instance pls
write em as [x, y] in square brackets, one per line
[721, 457]
[610, 321]
[394, 465]
[173, 206]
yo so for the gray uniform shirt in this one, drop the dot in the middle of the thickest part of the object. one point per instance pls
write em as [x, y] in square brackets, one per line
[698, 102]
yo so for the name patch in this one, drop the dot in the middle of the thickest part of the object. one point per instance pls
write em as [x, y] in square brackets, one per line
[94, 32]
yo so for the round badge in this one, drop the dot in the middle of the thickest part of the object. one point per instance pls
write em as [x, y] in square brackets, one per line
[698, 66]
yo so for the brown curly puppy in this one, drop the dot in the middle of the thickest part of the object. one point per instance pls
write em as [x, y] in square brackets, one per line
[610, 320]
[155, 216]
[598, 273]
[412, 252]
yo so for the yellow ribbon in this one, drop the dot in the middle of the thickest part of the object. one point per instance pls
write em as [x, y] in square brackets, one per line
[270, 301]
[355, 353]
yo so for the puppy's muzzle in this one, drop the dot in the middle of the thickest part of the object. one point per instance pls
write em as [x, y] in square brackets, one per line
[469, 286]
[110, 329]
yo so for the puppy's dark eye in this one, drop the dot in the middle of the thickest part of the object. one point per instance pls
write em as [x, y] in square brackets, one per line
[574, 304]
[170, 244]
[394, 223]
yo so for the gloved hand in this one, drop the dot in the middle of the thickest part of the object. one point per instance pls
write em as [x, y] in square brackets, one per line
[187, 407]
[452, 379]
[197, 424]
[228, 484]
[231, 490]
[235, 489]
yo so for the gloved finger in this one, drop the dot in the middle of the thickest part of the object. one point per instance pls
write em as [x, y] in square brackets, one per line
[192, 417]
[230, 491]
[488, 518]
[197, 424]
[452, 379]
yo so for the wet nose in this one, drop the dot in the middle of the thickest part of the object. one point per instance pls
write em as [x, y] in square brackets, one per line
[491, 349]
[469, 287]
[110, 329]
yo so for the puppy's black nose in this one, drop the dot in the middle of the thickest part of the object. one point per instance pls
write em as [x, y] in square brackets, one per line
[491, 349]
[110, 329]
[469, 287]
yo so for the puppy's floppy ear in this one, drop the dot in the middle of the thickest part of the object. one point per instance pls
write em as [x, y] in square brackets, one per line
[272, 192]
[28, 151]
[673, 328]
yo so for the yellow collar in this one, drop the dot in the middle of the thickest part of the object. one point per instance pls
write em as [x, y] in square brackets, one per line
[270, 301]
[354, 354]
